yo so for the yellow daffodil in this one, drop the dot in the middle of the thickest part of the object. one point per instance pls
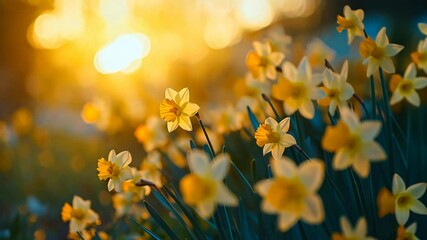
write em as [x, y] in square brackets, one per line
[297, 88]
[151, 168]
[377, 53]
[353, 143]
[126, 203]
[176, 109]
[337, 90]
[352, 21]
[273, 137]
[359, 233]
[317, 52]
[292, 192]
[401, 200]
[406, 199]
[204, 187]
[405, 87]
[407, 233]
[227, 119]
[423, 28]
[263, 61]
[420, 56]
[151, 134]
[116, 169]
[79, 214]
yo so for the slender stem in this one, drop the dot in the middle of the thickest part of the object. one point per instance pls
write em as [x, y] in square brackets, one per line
[359, 197]
[268, 100]
[359, 99]
[331, 118]
[206, 134]
[373, 99]
[80, 235]
[328, 65]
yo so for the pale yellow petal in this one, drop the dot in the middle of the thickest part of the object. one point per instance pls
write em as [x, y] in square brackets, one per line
[198, 162]
[369, 129]
[283, 167]
[270, 121]
[225, 196]
[205, 209]
[341, 160]
[184, 95]
[289, 108]
[361, 227]
[286, 221]
[123, 159]
[396, 97]
[220, 166]
[312, 174]
[267, 148]
[289, 71]
[387, 65]
[423, 28]
[112, 157]
[372, 66]
[172, 126]
[307, 110]
[392, 49]
[402, 216]
[190, 109]
[362, 167]
[285, 124]
[349, 117]
[266, 207]
[418, 207]
[413, 98]
[420, 82]
[185, 123]
[373, 151]
[417, 190]
[313, 212]
[262, 187]
[398, 184]
[382, 40]
[125, 174]
[276, 58]
[277, 151]
[170, 93]
[346, 227]
[304, 70]
[287, 140]
[76, 225]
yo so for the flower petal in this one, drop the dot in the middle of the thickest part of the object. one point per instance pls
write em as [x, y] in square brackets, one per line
[173, 125]
[369, 129]
[344, 70]
[304, 70]
[419, 207]
[420, 82]
[312, 174]
[392, 49]
[287, 140]
[346, 226]
[382, 40]
[398, 184]
[185, 123]
[410, 72]
[283, 167]
[372, 66]
[110, 185]
[402, 216]
[184, 96]
[277, 151]
[373, 151]
[270, 121]
[112, 157]
[286, 221]
[423, 28]
[276, 58]
[362, 167]
[225, 196]
[396, 97]
[198, 162]
[170, 93]
[307, 110]
[313, 212]
[125, 174]
[349, 117]
[341, 160]
[123, 159]
[262, 187]
[413, 98]
[191, 109]
[266, 207]
[289, 71]
[205, 209]
[267, 148]
[220, 166]
[289, 109]
[284, 124]
[387, 65]
[417, 190]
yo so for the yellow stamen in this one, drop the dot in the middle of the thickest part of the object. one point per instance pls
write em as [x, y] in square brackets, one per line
[169, 110]
[196, 189]
[368, 47]
[107, 169]
[287, 194]
[264, 134]
[344, 23]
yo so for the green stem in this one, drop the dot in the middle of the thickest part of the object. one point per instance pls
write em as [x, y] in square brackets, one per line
[359, 99]
[359, 197]
[373, 99]
[268, 100]
[206, 134]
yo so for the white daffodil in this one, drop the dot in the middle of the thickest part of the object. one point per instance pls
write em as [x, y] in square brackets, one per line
[152, 134]
[377, 53]
[151, 168]
[297, 88]
[420, 56]
[273, 137]
[204, 187]
[407, 233]
[292, 192]
[176, 109]
[338, 91]
[405, 87]
[406, 199]
[352, 21]
[116, 169]
[353, 143]
[359, 233]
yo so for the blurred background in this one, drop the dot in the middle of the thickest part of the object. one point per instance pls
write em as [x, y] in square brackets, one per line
[77, 78]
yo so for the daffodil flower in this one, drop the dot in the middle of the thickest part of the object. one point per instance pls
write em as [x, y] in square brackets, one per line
[176, 109]
[273, 137]
[405, 87]
[352, 21]
[317, 52]
[423, 28]
[406, 199]
[263, 61]
[292, 192]
[338, 91]
[377, 53]
[204, 187]
[151, 168]
[151, 134]
[359, 233]
[116, 169]
[407, 233]
[420, 56]
[80, 215]
[353, 143]
[297, 88]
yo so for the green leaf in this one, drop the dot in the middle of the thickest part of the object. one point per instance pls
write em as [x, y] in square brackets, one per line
[254, 120]
[160, 221]
[145, 229]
